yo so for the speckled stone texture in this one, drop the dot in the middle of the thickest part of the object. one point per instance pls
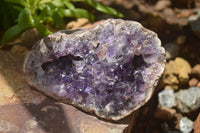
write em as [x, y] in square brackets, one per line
[110, 69]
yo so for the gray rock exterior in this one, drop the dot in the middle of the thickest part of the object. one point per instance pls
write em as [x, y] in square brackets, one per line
[167, 98]
[186, 125]
[188, 100]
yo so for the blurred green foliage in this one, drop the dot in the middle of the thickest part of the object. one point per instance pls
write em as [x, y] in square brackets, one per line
[19, 15]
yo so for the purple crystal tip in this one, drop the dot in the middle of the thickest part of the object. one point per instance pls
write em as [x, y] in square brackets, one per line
[110, 69]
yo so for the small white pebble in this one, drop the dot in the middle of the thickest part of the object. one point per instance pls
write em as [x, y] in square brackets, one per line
[186, 125]
[167, 99]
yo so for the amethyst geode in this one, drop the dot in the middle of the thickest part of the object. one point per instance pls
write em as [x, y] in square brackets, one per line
[110, 69]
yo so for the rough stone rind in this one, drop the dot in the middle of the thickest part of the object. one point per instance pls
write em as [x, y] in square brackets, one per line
[110, 69]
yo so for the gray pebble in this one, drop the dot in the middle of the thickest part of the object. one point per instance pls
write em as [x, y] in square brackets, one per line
[172, 50]
[194, 22]
[188, 100]
[166, 98]
[186, 125]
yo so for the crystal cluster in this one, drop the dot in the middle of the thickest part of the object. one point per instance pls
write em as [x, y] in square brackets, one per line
[110, 69]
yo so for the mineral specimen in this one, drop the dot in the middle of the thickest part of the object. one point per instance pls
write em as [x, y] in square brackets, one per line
[110, 69]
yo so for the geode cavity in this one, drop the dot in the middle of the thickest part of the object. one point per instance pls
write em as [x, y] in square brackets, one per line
[110, 69]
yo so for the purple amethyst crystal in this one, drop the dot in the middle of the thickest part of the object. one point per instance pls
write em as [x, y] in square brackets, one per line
[110, 69]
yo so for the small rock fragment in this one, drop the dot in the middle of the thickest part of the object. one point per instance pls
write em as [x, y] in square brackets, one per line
[194, 22]
[178, 117]
[168, 12]
[170, 79]
[183, 68]
[186, 125]
[198, 85]
[172, 50]
[193, 82]
[166, 98]
[196, 70]
[164, 113]
[188, 100]
[174, 87]
[162, 4]
[180, 40]
[110, 69]
[77, 24]
[177, 72]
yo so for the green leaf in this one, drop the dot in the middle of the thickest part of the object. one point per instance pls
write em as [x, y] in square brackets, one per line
[25, 19]
[31, 2]
[44, 2]
[9, 14]
[24, 22]
[57, 3]
[41, 28]
[36, 2]
[104, 9]
[58, 20]
[17, 8]
[45, 14]
[11, 33]
[20, 2]
[69, 5]
[77, 13]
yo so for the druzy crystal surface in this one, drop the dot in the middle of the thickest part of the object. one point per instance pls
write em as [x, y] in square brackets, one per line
[110, 69]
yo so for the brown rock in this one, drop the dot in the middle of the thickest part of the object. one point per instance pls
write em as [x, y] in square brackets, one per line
[164, 113]
[126, 3]
[177, 70]
[183, 68]
[77, 24]
[106, 2]
[168, 12]
[170, 68]
[196, 70]
[178, 117]
[196, 125]
[162, 4]
[30, 37]
[186, 13]
[174, 87]
[198, 85]
[92, 24]
[171, 79]
[180, 40]
[193, 82]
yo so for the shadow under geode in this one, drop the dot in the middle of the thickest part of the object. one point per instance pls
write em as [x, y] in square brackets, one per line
[11, 69]
[50, 116]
